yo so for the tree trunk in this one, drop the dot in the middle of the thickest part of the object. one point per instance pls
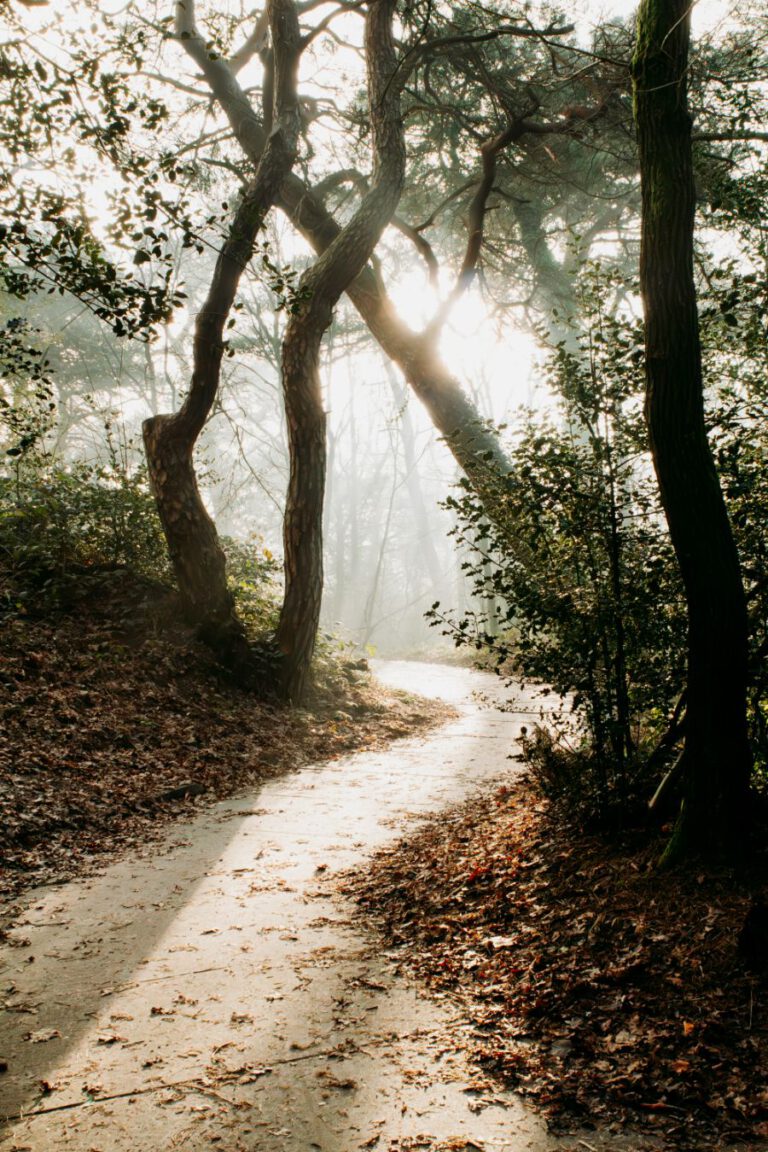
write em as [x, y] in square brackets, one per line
[303, 520]
[321, 287]
[193, 544]
[716, 753]
[474, 444]
[196, 555]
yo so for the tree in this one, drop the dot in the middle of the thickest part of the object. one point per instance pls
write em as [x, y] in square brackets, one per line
[716, 756]
[321, 287]
[193, 544]
[588, 600]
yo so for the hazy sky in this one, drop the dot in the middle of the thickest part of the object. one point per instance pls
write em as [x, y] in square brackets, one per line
[706, 14]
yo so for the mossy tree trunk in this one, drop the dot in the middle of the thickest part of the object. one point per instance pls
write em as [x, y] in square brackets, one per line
[716, 755]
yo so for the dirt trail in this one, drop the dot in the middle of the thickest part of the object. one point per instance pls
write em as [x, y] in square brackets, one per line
[218, 994]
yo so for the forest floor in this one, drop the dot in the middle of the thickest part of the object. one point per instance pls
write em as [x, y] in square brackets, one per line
[215, 991]
[602, 989]
[113, 722]
[611, 995]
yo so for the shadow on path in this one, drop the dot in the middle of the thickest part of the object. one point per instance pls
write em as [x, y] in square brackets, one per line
[218, 994]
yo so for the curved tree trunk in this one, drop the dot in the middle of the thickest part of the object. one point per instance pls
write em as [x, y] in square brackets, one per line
[195, 552]
[303, 518]
[474, 443]
[321, 286]
[716, 756]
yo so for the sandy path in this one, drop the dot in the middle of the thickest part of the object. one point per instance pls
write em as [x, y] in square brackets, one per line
[218, 994]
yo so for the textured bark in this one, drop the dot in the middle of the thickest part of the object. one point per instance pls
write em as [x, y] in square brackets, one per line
[716, 756]
[195, 551]
[322, 285]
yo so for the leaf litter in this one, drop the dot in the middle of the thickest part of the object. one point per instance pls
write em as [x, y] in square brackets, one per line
[605, 990]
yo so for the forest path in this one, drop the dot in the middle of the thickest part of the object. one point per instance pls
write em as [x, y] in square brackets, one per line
[216, 992]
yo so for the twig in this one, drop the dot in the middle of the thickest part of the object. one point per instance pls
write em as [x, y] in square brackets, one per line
[157, 979]
[194, 1085]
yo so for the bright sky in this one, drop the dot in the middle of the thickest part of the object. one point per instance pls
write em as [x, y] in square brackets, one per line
[706, 14]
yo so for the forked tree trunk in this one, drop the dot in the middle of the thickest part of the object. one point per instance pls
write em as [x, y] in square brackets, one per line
[321, 287]
[475, 444]
[716, 754]
[196, 555]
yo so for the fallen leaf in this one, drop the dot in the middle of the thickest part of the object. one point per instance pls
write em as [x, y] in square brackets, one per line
[43, 1035]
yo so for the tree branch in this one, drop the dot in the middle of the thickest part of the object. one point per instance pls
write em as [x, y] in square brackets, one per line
[254, 44]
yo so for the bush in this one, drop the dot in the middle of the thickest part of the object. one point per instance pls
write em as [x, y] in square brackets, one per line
[60, 520]
[253, 571]
[578, 581]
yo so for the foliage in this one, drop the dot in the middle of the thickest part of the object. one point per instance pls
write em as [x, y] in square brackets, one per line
[100, 119]
[253, 573]
[579, 585]
[58, 518]
[580, 588]
[735, 330]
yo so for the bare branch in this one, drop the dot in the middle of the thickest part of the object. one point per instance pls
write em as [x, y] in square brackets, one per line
[421, 244]
[489, 151]
[222, 81]
[726, 137]
[254, 44]
[434, 47]
[328, 19]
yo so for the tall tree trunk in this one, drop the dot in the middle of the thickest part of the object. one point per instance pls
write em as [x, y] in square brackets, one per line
[474, 443]
[303, 520]
[716, 755]
[321, 287]
[196, 555]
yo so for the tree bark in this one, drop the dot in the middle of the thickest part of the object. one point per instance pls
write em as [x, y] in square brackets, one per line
[716, 756]
[196, 554]
[320, 289]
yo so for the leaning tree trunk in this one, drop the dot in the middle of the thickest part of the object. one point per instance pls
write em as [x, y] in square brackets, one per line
[321, 287]
[716, 754]
[474, 443]
[196, 555]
